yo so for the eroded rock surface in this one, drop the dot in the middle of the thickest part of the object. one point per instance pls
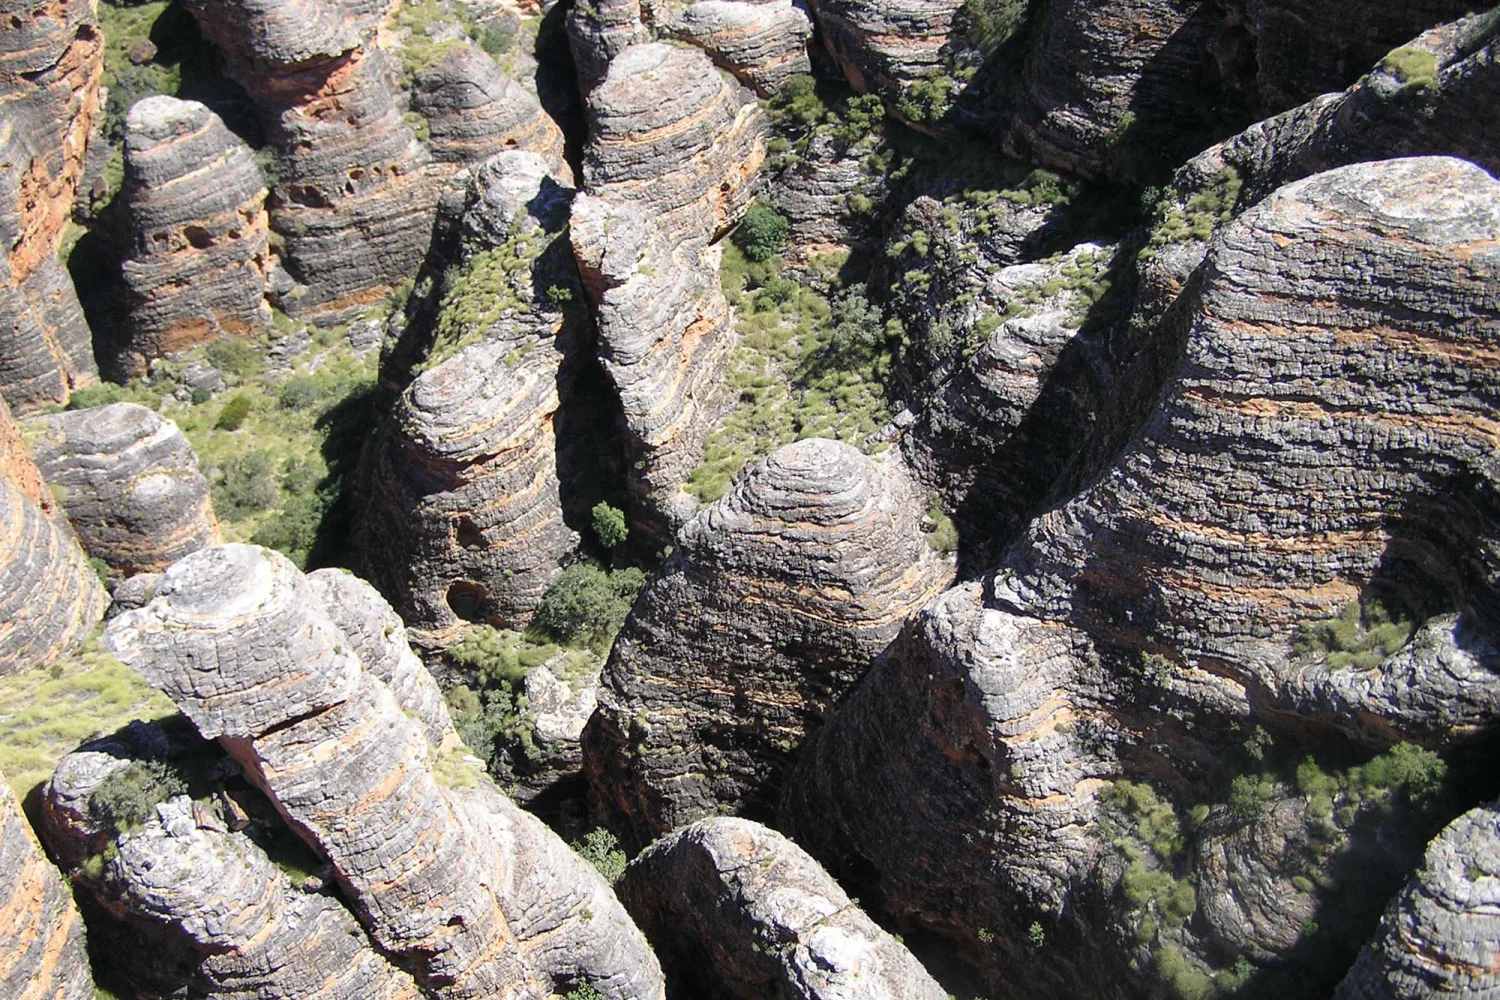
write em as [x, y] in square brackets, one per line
[597, 32]
[775, 601]
[51, 58]
[41, 940]
[355, 193]
[738, 910]
[129, 484]
[1440, 935]
[449, 877]
[762, 42]
[50, 597]
[199, 233]
[1292, 465]
[474, 111]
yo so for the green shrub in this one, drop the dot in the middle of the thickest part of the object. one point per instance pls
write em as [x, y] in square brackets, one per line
[298, 393]
[246, 486]
[491, 720]
[600, 849]
[495, 40]
[1154, 819]
[234, 414]
[762, 232]
[609, 525]
[1036, 937]
[1250, 797]
[234, 357]
[1406, 768]
[583, 992]
[105, 393]
[495, 657]
[943, 536]
[992, 23]
[127, 798]
[1361, 637]
[1187, 982]
[588, 604]
[797, 104]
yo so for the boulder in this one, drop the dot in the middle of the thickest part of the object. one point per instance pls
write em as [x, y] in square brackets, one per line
[129, 483]
[762, 42]
[196, 268]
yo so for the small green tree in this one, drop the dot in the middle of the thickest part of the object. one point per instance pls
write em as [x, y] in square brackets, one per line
[609, 525]
[234, 414]
[601, 849]
[762, 233]
[588, 604]
[128, 797]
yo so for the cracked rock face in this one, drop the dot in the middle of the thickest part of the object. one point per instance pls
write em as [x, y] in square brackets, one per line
[670, 132]
[665, 339]
[50, 597]
[448, 877]
[597, 32]
[356, 193]
[198, 231]
[41, 937]
[762, 43]
[474, 111]
[131, 485]
[885, 46]
[51, 59]
[777, 598]
[738, 910]
[1440, 935]
[1326, 430]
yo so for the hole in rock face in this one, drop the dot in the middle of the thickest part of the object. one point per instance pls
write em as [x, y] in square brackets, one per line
[468, 601]
[468, 535]
[198, 237]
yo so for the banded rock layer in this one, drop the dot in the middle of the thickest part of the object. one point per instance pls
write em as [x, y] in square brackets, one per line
[356, 193]
[665, 339]
[474, 111]
[672, 133]
[762, 42]
[41, 933]
[736, 909]
[130, 485]
[50, 597]
[1327, 428]
[199, 233]
[474, 895]
[51, 59]
[1440, 935]
[597, 32]
[191, 885]
[885, 46]
[775, 601]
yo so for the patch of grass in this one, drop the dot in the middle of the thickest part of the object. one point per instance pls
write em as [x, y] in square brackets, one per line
[1414, 66]
[1204, 212]
[478, 294]
[791, 377]
[47, 712]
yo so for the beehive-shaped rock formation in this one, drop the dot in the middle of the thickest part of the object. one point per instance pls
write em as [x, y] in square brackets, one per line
[129, 484]
[474, 110]
[1439, 936]
[597, 32]
[762, 42]
[50, 597]
[883, 46]
[475, 896]
[669, 131]
[356, 193]
[777, 598]
[737, 909]
[51, 58]
[41, 939]
[198, 254]
[665, 338]
[1326, 435]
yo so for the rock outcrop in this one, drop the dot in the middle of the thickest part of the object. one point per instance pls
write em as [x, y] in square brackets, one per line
[464, 518]
[41, 938]
[735, 909]
[1440, 935]
[17, 466]
[673, 134]
[473, 111]
[356, 192]
[51, 59]
[50, 597]
[1325, 437]
[198, 245]
[599, 31]
[762, 42]
[448, 878]
[129, 483]
[775, 601]
[191, 878]
[888, 47]
[819, 194]
[665, 338]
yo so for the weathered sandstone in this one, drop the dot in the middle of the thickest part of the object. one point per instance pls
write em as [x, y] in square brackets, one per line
[129, 483]
[198, 245]
[41, 936]
[599, 31]
[775, 601]
[449, 878]
[735, 909]
[762, 42]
